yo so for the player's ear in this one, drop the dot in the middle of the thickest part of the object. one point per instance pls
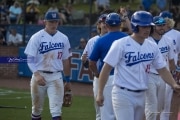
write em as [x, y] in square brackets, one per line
[44, 22]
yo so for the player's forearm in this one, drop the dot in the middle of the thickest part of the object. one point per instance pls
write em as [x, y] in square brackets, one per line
[93, 68]
[31, 64]
[167, 77]
[103, 77]
[66, 66]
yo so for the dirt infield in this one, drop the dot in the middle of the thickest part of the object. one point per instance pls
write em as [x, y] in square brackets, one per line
[79, 89]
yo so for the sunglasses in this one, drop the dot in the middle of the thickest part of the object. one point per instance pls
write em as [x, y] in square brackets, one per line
[160, 22]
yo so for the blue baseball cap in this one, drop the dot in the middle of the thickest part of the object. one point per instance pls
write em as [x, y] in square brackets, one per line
[158, 20]
[166, 14]
[52, 16]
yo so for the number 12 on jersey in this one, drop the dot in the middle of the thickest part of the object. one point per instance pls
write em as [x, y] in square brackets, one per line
[148, 68]
[59, 55]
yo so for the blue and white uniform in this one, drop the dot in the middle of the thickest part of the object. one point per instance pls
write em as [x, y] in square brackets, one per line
[156, 86]
[100, 50]
[87, 51]
[174, 36]
[48, 52]
[132, 62]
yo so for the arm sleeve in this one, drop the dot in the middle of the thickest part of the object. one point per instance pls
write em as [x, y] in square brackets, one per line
[31, 63]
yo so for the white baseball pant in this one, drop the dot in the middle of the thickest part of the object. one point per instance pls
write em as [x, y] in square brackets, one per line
[165, 114]
[155, 95]
[95, 90]
[107, 112]
[54, 89]
[128, 105]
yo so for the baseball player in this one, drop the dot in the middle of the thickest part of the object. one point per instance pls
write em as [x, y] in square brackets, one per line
[174, 35]
[48, 53]
[99, 51]
[132, 57]
[156, 86]
[87, 52]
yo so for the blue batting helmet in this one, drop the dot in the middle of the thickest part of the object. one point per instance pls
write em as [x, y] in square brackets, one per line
[141, 18]
[158, 20]
[113, 19]
[166, 14]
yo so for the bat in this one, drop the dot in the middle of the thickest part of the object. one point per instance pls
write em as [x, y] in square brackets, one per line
[13, 107]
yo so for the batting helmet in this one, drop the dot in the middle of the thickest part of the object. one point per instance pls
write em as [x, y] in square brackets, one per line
[166, 14]
[158, 20]
[102, 18]
[141, 18]
[113, 19]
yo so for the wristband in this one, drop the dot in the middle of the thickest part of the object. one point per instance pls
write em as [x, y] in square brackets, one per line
[67, 78]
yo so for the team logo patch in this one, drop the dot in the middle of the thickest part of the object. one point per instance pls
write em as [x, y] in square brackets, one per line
[54, 15]
[49, 46]
[133, 58]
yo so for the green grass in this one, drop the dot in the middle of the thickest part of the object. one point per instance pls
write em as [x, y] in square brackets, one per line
[81, 109]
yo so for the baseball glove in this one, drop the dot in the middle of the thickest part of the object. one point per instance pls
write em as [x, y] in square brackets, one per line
[67, 98]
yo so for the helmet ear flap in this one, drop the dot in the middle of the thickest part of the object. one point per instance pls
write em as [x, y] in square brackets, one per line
[135, 28]
[152, 30]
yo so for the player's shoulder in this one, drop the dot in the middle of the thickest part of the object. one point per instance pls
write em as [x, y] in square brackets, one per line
[150, 38]
[166, 38]
[172, 32]
[93, 39]
[150, 43]
[175, 31]
[40, 32]
[123, 33]
[61, 34]
[124, 40]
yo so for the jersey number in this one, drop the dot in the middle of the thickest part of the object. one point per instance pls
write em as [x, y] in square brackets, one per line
[148, 68]
[59, 55]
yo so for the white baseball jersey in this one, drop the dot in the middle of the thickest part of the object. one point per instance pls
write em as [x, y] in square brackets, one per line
[48, 50]
[175, 36]
[166, 47]
[89, 46]
[132, 62]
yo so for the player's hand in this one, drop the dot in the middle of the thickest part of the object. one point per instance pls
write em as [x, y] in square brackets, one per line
[40, 79]
[84, 57]
[100, 100]
[176, 88]
[123, 11]
[67, 86]
[176, 76]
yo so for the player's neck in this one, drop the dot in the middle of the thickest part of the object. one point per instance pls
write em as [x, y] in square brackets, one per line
[156, 36]
[137, 38]
[50, 32]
